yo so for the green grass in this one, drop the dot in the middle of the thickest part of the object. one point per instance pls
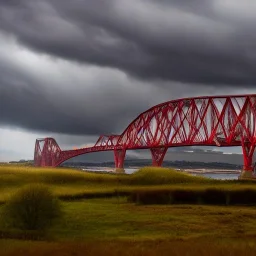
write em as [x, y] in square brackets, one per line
[71, 184]
[97, 224]
[115, 218]
[108, 219]
[16, 175]
[161, 176]
[62, 181]
[117, 227]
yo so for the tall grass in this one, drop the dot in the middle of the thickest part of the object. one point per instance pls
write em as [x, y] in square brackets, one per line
[115, 227]
[24, 174]
[70, 184]
[16, 175]
[163, 176]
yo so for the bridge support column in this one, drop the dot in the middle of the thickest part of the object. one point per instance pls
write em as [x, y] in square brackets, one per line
[248, 152]
[158, 155]
[119, 160]
[47, 152]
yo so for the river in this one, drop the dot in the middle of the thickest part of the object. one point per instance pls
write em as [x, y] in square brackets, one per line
[214, 174]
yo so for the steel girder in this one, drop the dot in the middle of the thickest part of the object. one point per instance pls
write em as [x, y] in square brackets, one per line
[210, 121]
[47, 152]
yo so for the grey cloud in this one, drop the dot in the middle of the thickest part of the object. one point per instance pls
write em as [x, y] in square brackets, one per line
[106, 103]
[40, 94]
[191, 41]
[90, 67]
[31, 108]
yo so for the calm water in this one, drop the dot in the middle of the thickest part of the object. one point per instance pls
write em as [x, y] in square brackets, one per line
[219, 176]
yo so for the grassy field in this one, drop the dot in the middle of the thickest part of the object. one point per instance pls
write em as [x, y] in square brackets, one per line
[74, 184]
[97, 225]
[114, 226]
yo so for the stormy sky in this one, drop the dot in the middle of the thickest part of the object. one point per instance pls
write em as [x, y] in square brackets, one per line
[77, 69]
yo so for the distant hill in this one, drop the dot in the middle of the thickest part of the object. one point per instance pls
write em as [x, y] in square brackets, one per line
[188, 155]
[146, 162]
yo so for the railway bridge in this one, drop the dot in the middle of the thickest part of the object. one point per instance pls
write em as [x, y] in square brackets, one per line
[221, 121]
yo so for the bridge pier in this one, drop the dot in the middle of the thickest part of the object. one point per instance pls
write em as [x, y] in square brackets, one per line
[248, 152]
[47, 152]
[158, 155]
[119, 155]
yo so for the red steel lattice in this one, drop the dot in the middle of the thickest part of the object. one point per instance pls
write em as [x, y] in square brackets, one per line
[221, 121]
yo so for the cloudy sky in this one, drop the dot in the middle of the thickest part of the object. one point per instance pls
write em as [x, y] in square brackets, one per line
[77, 69]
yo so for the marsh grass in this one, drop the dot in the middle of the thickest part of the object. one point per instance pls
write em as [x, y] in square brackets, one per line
[154, 183]
[115, 219]
[114, 226]
[16, 175]
[163, 176]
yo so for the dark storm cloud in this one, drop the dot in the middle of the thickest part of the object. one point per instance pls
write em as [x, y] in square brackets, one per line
[27, 105]
[134, 54]
[186, 41]
[102, 102]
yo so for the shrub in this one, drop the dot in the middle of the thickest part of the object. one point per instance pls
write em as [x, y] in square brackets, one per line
[32, 207]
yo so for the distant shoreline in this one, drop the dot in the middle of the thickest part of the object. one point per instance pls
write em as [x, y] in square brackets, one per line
[211, 171]
[192, 171]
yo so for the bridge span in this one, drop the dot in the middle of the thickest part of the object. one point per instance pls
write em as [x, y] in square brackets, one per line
[222, 121]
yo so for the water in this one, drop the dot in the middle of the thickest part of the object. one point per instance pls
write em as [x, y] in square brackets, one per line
[219, 176]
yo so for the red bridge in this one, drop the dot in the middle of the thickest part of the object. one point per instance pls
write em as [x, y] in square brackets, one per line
[223, 121]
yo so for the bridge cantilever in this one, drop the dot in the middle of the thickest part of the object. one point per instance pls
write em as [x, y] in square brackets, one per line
[222, 121]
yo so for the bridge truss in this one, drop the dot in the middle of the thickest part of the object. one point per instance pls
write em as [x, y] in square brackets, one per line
[222, 121]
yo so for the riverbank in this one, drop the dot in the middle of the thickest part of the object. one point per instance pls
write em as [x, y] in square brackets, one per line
[132, 169]
[220, 174]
